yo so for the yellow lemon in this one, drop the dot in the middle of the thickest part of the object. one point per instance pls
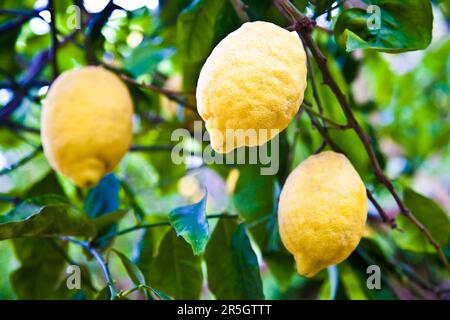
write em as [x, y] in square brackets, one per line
[251, 85]
[86, 124]
[322, 212]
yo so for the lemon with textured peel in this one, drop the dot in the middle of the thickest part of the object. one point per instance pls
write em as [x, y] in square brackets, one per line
[251, 85]
[86, 124]
[322, 212]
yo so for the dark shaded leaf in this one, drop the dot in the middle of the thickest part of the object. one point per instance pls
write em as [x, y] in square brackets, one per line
[104, 294]
[101, 200]
[233, 270]
[175, 270]
[321, 6]
[133, 271]
[105, 221]
[41, 268]
[104, 198]
[254, 193]
[45, 216]
[195, 29]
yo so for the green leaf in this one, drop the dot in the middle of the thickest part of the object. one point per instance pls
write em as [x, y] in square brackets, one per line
[195, 29]
[404, 26]
[42, 260]
[279, 261]
[321, 6]
[254, 193]
[255, 200]
[101, 200]
[45, 216]
[8, 60]
[133, 270]
[190, 222]
[352, 282]
[41, 268]
[104, 198]
[145, 58]
[160, 295]
[105, 221]
[104, 294]
[175, 270]
[233, 270]
[431, 215]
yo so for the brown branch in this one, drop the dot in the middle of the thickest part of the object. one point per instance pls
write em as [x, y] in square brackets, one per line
[326, 120]
[386, 218]
[171, 95]
[240, 7]
[303, 26]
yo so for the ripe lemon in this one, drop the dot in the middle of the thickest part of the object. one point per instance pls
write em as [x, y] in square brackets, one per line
[86, 124]
[322, 212]
[254, 79]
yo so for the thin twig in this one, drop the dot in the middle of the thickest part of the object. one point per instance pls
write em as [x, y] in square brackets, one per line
[17, 23]
[386, 218]
[171, 95]
[22, 161]
[304, 27]
[154, 225]
[13, 200]
[240, 7]
[54, 45]
[38, 149]
[326, 120]
[100, 260]
[20, 127]
[69, 260]
[151, 148]
[36, 66]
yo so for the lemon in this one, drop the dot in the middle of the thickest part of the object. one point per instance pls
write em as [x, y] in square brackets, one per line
[322, 212]
[86, 124]
[251, 85]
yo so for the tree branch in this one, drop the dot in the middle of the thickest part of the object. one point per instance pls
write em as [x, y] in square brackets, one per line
[240, 7]
[20, 127]
[54, 32]
[36, 66]
[22, 161]
[151, 148]
[325, 120]
[24, 16]
[154, 225]
[386, 218]
[100, 260]
[171, 95]
[303, 26]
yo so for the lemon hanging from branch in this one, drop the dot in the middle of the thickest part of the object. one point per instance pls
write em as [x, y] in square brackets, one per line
[251, 86]
[86, 124]
[322, 212]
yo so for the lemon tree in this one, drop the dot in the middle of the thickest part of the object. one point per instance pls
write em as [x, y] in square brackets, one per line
[135, 140]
